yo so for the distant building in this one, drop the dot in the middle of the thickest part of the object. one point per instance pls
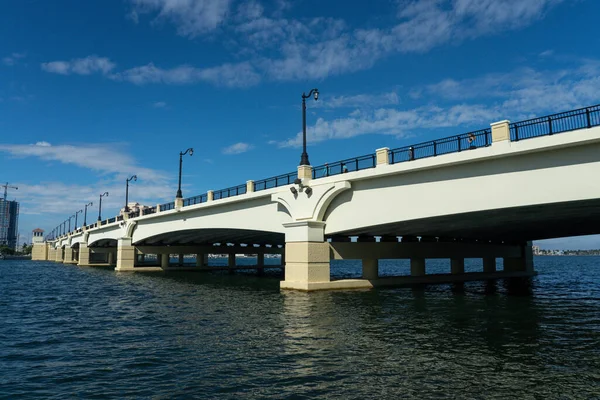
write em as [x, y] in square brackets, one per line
[9, 223]
[38, 236]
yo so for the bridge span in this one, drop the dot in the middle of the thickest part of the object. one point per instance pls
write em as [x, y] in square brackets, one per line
[485, 194]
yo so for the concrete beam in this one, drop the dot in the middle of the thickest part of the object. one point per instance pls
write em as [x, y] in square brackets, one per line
[358, 251]
[207, 249]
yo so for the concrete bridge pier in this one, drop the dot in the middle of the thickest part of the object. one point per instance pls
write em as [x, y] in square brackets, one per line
[84, 255]
[199, 260]
[126, 255]
[370, 268]
[523, 263]
[69, 255]
[59, 255]
[231, 262]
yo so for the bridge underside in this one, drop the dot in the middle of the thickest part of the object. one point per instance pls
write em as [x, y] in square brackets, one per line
[210, 236]
[510, 224]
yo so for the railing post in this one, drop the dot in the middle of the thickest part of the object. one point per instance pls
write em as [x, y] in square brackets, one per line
[249, 186]
[589, 119]
[458, 140]
[516, 133]
[209, 195]
[550, 125]
[487, 142]
[157, 208]
[434, 148]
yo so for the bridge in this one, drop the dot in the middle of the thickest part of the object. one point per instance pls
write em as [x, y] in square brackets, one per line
[484, 194]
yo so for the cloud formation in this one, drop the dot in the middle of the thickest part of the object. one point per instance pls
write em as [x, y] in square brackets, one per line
[80, 66]
[238, 148]
[13, 59]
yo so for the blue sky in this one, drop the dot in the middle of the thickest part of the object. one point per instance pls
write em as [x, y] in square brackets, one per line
[94, 91]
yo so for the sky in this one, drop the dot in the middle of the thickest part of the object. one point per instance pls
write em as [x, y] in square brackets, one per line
[92, 92]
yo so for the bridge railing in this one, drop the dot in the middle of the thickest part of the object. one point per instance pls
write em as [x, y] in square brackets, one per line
[149, 210]
[275, 181]
[452, 144]
[111, 220]
[195, 200]
[229, 192]
[167, 206]
[556, 123]
[343, 166]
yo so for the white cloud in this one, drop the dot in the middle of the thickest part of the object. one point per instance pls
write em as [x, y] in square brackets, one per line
[80, 66]
[230, 75]
[13, 59]
[358, 100]
[191, 17]
[238, 148]
[388, 121]
[101, 158]
[159, 104]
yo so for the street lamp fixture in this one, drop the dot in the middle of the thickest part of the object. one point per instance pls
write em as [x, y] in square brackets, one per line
[78, 212]
[100, 206]
[181, 154]
[304, 156]
[133, 178]
[85, 213]
[72, 216]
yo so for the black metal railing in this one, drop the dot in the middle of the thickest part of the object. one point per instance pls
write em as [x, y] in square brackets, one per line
[348, 165]
[167, 206]
[229, 192]
[275, 181]
[119, 218]
[111, 220]
[149, 210]
[452, 144]
[556, 123]
[195, 200]
[103, 222]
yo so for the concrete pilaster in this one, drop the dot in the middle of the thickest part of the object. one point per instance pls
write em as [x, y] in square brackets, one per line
[489, 264]
[457, 265]
[84, 255]
[382, 156]
[39, 252]
[125, 255]
[178, 202]
[305, 173]
[417, 266]
[249, 186]
[210, 195]
[370, 268]
[500, 131]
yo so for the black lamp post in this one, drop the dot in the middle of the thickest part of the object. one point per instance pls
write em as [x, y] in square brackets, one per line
[304, 156]
[100, 206]
[64, 228]
[85, 213]
[133, 178]
[72, 216]
[78, 212]
[181, 154]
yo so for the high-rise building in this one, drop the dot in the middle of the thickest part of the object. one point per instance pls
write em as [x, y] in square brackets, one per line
[9, 223]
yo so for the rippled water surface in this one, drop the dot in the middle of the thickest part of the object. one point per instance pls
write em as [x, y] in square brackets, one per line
[70, 332]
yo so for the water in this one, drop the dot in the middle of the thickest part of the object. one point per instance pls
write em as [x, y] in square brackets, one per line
[70, 332]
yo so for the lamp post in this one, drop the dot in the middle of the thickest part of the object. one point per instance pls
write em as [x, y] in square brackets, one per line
[72, 216]
[304, 156]
[134, 178]
[85, 213]
[64, 228]
[78, 212]
[181, 154]
[100, 206]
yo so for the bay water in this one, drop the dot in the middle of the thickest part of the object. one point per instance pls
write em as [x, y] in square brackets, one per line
[91, 333]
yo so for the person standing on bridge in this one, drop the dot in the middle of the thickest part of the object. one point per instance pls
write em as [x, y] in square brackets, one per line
[326, 170]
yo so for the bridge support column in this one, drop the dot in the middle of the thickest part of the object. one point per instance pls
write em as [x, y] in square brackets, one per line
[523, 263]
[370, 268]
[489, 264]
[200, 260]
[181, 260]
[260, 262]
[59, 255]
[457, 265]
[164, 261]
[68, 255]
[111, 258]
[84, 255]
[125, 255]
[417, 266]
[231, 262]
[39, 252]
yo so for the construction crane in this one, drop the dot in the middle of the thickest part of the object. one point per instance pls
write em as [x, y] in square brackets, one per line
[6, 187]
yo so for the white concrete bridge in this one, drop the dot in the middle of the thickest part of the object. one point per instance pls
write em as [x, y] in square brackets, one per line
[484, 194]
